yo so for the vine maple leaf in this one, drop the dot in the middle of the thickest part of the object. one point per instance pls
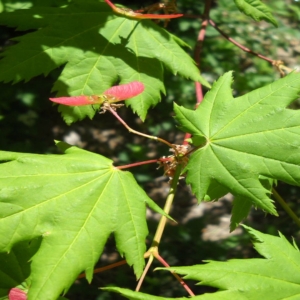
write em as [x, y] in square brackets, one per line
[274, 277]
[74, 201]
[241, 139]
[257, 10]
[98, 49]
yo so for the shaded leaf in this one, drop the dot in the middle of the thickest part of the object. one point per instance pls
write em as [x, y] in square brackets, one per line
[98, 48]
[15, 265]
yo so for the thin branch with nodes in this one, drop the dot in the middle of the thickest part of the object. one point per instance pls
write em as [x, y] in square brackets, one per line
[279, 64]
[199, 46]
[140, 133]
[242, 47]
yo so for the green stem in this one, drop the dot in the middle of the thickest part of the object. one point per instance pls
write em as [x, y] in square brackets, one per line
[280, 200]
[144, 273]
[153, 251]
[167, 208]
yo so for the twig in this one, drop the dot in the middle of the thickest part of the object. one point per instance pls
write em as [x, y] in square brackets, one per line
[198, 48]
[242, 47]
[140, 133]
[197, 55]
[141, 280]
[153, 251]
[181, 281]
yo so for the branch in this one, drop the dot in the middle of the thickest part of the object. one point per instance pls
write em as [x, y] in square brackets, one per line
[140, 133]
[245, 49]
[197, 55]
[180, 280]
[199, 46]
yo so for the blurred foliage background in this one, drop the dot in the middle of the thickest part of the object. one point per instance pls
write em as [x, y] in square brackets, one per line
[30, 123]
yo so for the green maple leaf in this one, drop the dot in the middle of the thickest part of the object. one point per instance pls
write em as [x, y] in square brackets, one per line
[98, 48]
[74, 202]
[240, 139]
[256, 10]
[274, 277]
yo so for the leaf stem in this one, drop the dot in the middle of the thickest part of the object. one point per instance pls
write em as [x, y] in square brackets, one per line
[140, 133]
[151, 161]
[110, 4]
[181, 281]
[288, 210]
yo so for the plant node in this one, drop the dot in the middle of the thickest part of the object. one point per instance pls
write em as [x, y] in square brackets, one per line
[109, 106]
[171, 162]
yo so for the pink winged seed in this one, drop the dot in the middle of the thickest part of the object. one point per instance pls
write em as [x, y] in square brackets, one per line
[125, 91]
[76, 100]
[17, 294]
[114, 94]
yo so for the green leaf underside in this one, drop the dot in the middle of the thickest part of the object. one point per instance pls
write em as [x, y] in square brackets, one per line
[273, 278]
[247, 137]
[74, 201]
[98, 48]
[256, 10]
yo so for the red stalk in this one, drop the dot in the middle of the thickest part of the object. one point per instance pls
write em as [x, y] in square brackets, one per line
[135, 15]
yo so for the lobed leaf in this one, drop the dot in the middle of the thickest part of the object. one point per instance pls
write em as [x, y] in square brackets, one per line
[274, 277]
[257, 10]
[98, 49]
[74, 202]
[246, 138]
